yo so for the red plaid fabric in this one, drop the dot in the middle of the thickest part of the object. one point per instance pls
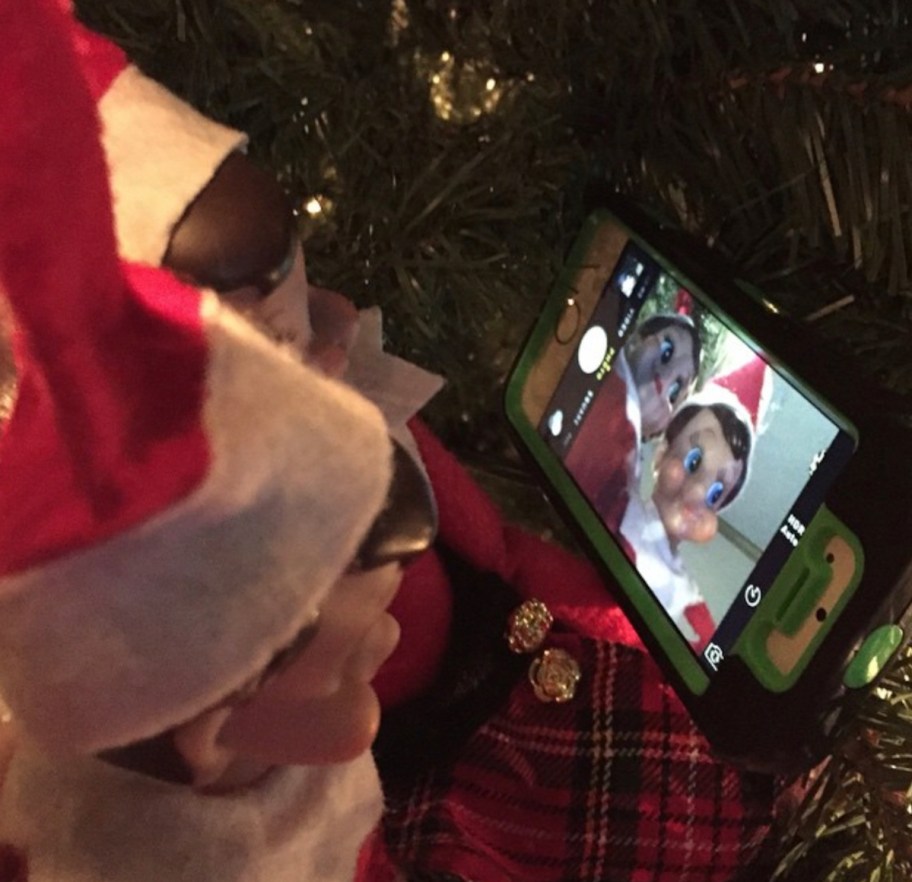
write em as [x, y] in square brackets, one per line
[615, 785]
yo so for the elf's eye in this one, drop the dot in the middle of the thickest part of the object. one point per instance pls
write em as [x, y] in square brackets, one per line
[666, 350]
[692, 460]
[674, 391]
[714, 494]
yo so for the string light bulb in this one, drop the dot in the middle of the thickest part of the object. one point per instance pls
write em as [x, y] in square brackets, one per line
[460, 91]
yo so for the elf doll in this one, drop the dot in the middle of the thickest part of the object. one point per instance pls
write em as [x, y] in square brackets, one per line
[199, 544]
[174, 641]
[652, 375]
[701, 466]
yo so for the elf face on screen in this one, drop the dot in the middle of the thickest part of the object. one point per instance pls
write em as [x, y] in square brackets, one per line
[702, 461]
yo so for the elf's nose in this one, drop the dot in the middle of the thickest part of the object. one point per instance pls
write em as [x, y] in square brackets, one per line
[407, 524]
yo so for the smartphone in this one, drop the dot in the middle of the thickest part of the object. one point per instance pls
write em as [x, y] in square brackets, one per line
[741, 490]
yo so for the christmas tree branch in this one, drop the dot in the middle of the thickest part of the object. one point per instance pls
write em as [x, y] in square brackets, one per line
[856, 814]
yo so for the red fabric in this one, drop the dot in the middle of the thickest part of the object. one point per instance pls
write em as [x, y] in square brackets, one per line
[571, 588]
[616, 784]
[423, 607]
[100, 59]
[746, 382]
[700, 619]
[602, 452]
[374, 863]
[111, 379]
[470, 524]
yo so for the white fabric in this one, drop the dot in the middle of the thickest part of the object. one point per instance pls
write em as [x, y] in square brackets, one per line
[396, 386]
[661, 567]
[86, 821]
[130, 637]
[161, 153]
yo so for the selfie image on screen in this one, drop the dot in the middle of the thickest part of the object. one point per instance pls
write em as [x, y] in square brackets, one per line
[701, 460]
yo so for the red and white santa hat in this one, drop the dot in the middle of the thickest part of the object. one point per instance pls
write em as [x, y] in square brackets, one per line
[749, 387]
[177, 494]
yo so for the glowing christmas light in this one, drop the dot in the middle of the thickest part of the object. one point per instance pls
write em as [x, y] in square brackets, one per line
[460, 91]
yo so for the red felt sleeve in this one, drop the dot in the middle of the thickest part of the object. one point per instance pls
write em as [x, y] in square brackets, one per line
[700, 619]
[471, 525]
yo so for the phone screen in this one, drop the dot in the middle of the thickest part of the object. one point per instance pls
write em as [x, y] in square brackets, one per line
[703, 460]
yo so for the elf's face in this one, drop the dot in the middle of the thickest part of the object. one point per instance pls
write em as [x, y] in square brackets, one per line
[662, 365]
[695, 476]
[320, 707]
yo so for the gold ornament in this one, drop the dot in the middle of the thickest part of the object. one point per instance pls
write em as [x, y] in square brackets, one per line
[528, 626]
[461, 90]
[554, 676]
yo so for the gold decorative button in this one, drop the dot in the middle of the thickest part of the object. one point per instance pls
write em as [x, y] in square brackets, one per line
[554, 676]
[528, 626]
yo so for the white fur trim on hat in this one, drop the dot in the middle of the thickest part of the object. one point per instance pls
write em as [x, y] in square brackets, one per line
[161, 153]
[124, 639]
[81, 820]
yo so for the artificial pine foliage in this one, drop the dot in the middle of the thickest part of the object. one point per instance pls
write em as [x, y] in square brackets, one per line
[443, 153]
